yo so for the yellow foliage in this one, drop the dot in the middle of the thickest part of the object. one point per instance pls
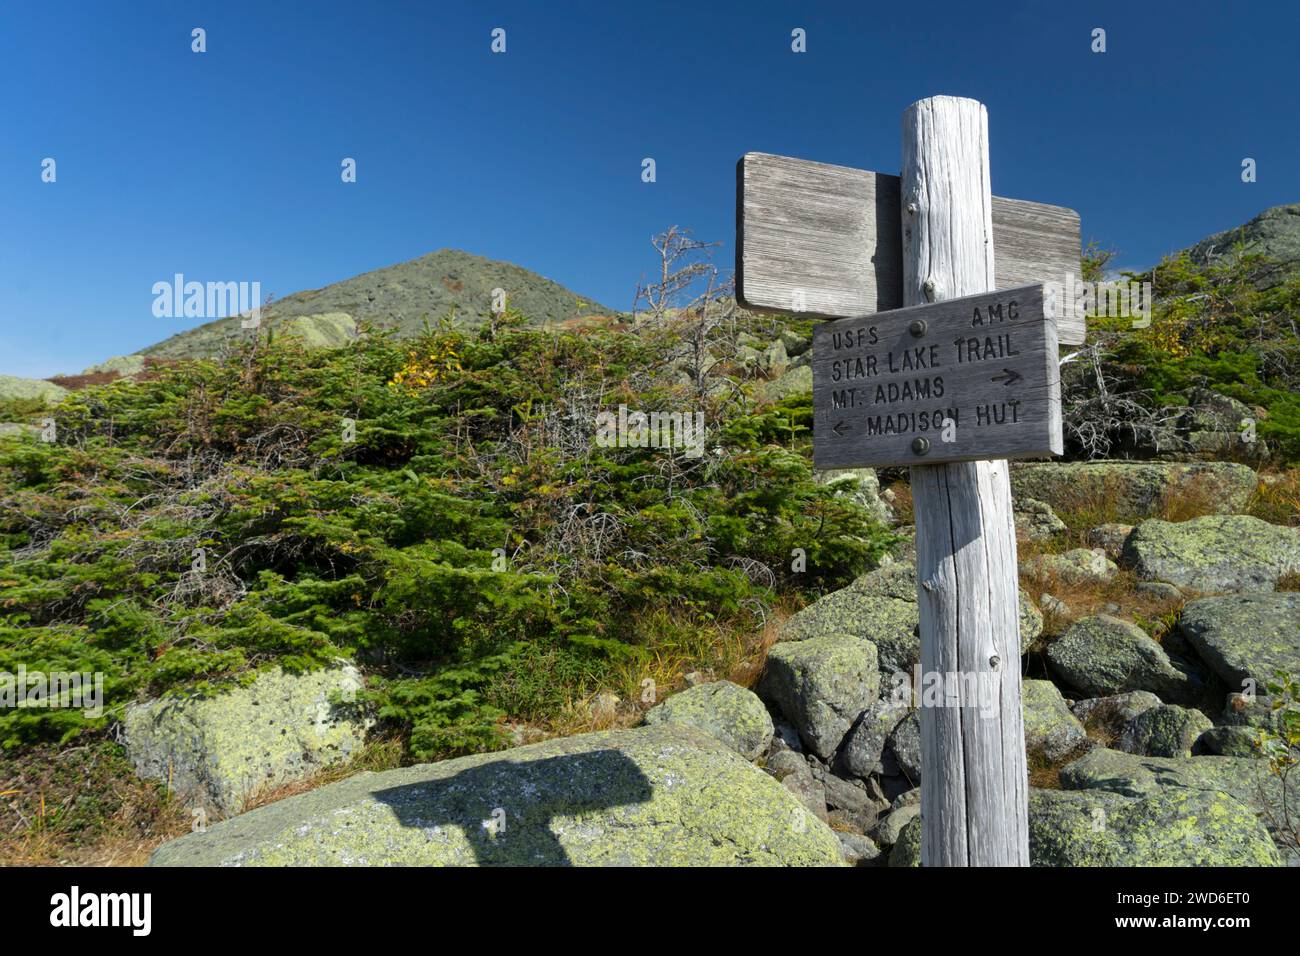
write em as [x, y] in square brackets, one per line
[1186, 328]
[423, 369]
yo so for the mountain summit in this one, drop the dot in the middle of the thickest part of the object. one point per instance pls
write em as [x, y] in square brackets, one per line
[403, 296]
[1274, 233]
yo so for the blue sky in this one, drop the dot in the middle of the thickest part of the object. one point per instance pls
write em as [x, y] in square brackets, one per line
[225, 165]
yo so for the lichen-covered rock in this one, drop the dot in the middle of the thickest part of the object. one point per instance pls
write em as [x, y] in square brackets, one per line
[218, 751]
[1103, 655]
[859, 485]
[1246, 780]
[1031, 623]
[1165, 828]
[795, 344]
[326, 330]
[865, 744]
[890, 828]
[1111, 715]
[1214, 426]
[1160, 590]
[124, 365]
[847, 799]
[668, 795]
[794, 381]
[1035, 520]
[747, 356]
[11, 386]
[775, 360]
[905, 744]
[1136, 776]
[821, 685]
[808, 792]
[1214, 554]
[728, 711]
[1076, 566]
[1231, 741]
[1164, 731]
[1248, 708]
[841, 793]
[1053, 605]
[1098, 828]
[881, 606]
[783, 763]
[858, 850]
[1110, 537]
[1246, 637]
[907, 850]
[1051, 731]
[907, 798]
[1134, 489]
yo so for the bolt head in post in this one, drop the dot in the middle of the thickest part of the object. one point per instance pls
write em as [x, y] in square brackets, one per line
[917, 328]
[920, 445]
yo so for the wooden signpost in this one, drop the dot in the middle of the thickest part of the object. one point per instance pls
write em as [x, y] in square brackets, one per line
[955, 380]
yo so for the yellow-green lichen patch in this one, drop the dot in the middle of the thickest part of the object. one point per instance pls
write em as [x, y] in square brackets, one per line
[881, 606]
[219, 751]
[1214, 554]
[1171, 827]
[724, 710]
[654, 796]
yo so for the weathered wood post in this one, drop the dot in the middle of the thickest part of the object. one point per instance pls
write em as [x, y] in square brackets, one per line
[932, 360]
[974, 801]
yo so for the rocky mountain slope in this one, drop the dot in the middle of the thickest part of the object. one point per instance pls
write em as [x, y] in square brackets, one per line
[402, 296]
[369, 602]
[1274, 233]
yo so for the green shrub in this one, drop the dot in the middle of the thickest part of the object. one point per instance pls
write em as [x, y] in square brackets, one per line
[471, 548]
[1214, 327]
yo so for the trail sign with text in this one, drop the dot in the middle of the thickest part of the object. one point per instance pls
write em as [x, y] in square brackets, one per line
[942, 353]
[958, 380]
[826, 241]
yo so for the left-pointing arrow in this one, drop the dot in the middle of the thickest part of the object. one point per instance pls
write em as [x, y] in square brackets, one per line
[839, 429]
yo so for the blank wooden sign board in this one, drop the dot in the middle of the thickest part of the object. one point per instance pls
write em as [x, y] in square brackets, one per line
[826, 241]
[958, 380]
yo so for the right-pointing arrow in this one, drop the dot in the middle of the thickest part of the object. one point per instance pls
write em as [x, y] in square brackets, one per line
[1009, 378]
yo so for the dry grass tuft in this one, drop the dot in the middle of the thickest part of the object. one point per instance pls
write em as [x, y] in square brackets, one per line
[902, 502]
[1096, 503]
[1087, 505]
[1277, 499]
[1197, 498]
[1153, 613]
[731, 651]
[85, 807]
[82, 806]
[1043, 776]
